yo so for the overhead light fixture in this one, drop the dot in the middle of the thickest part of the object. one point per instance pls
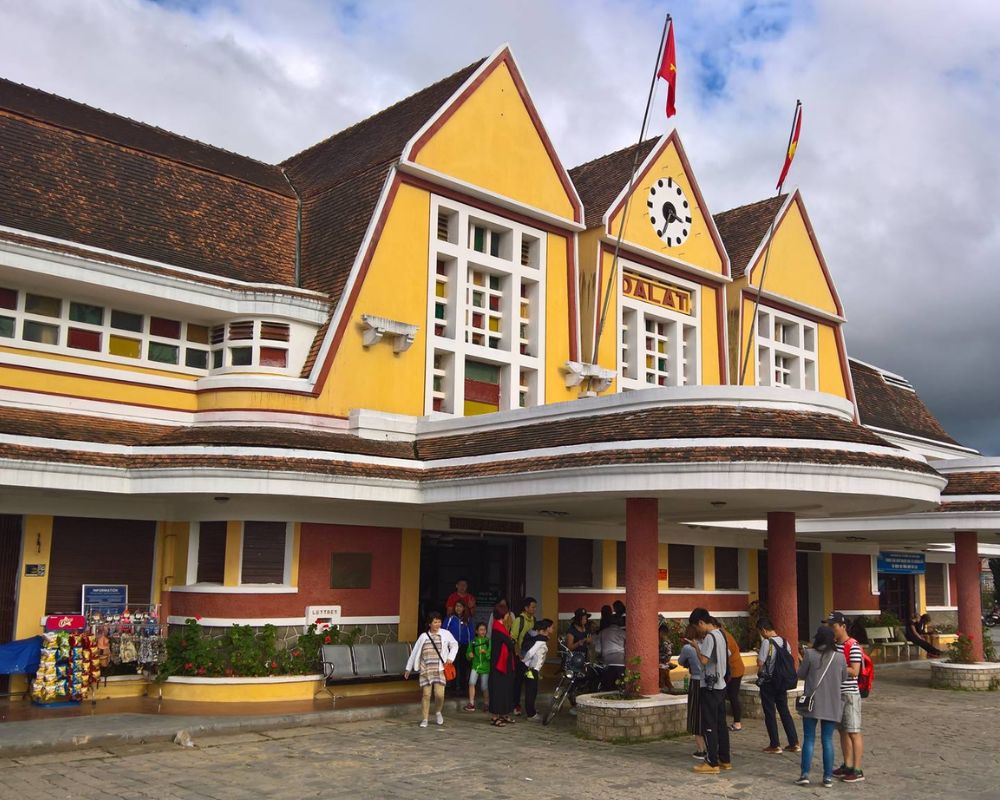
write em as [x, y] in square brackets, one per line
[718, 503]
[221, 499]
[556, 514]
[855, 539]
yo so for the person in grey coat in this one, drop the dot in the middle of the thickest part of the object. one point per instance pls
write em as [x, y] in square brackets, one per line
[823, 670]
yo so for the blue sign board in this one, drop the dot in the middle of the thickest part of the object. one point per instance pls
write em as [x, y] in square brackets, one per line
[902, 563]
[108, 598]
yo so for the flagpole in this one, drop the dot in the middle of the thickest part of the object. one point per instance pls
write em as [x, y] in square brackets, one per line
[767, 258]
[628, 198]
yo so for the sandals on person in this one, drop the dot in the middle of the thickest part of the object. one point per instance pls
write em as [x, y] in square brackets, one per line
[734, 729]
[498, 723]
[508, 720]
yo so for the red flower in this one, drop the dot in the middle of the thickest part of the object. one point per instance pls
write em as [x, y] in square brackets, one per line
[197, 617]
[201, 670]
[188, 666]
[326, 640]
[296, 653]
[229, 672]
[274, 665]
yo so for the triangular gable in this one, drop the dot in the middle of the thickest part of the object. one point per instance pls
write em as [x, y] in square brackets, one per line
[489, 135]
[796, 269]
[665, 177]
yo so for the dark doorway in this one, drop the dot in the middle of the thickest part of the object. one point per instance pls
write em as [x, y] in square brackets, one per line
[10, 563]
[896, 595]
[801, 590]
[493, 565]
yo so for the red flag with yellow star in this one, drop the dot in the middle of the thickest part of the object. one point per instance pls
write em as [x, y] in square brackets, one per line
[668, 68]
[793, 143]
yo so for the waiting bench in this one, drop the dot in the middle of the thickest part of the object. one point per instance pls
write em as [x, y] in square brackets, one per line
[364, 662]
[885, 638]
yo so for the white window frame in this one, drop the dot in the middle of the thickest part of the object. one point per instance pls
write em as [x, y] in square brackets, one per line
[769, 350]
[454, 349]
[680, 321]
[63, 323]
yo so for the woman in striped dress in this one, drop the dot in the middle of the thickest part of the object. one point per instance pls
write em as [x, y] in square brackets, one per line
[688, 658]
[433, 649]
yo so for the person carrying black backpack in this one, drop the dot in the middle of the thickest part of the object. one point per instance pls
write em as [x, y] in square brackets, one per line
[775, 671]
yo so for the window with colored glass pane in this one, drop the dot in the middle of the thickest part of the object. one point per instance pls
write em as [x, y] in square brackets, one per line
[196, 359]
[40, 332]
[164, 328]
[8, 298]
[43, 306]
[273, 357]
[216, 359]
[197, 333]
[83, 312]
[126, 321]
[84, 340]
[7, 327]
[241, 356]
[163, 353]
[124, 347]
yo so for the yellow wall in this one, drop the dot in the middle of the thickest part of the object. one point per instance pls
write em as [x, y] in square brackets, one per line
[609, 564]
[490, 141]
[662, 562]
[921, 585]
[753, 578]
[234, 553]
[794, 269]
[36, 538]
[831, 372]
[557, 328]
[708, 569]
[827, 583]
[589, 291]
[409, 585]
[699, 248]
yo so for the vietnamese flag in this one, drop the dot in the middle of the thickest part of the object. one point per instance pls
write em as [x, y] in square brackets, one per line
[793, 143]
[668, 67]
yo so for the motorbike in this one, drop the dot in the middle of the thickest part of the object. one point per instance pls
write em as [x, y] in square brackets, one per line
[579, 676]
[992, 618]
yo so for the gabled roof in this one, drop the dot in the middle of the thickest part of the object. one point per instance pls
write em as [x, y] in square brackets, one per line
[889, 402]
[340, 180]
[599, 182]
[743, 229]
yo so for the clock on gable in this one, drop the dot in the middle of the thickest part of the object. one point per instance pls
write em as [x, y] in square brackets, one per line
[669, 211]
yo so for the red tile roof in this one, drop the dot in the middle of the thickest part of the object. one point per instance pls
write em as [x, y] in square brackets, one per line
[743, 229]
[972, 482]
[599, 182]
[893, 407]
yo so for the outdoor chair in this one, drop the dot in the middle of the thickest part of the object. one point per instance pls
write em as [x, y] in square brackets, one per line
[885, 639]
[337, 662]
[395, 656]
[368, 661]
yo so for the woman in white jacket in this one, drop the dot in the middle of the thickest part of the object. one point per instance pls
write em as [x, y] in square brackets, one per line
[432, 651]
[536, 649]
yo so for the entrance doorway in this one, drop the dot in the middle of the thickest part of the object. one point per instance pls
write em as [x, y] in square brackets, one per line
[896, 595]
[493, 565]
[801, 591]
[10, 563]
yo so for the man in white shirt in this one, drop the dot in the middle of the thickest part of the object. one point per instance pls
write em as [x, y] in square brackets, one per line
[714, 656]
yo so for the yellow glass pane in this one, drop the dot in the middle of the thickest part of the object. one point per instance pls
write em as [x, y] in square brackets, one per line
[524, 310]
[197, 333]
[440, 290]
[479, 279]
[124, 347]
[649, 362]
[474, 408]
[494, 323]
[661, 347]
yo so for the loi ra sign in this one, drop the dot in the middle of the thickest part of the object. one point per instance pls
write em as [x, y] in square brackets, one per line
[655, 292]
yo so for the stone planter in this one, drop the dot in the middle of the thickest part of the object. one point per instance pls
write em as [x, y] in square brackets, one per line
[611, 719]
[750, 698]
[239, 690]
[981, 677]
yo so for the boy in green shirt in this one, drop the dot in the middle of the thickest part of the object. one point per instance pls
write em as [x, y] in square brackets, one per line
[479, 654]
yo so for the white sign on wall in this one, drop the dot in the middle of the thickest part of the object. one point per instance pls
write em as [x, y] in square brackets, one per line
[322, 616]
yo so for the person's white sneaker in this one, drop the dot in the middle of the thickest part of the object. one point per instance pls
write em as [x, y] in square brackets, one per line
[423, 723]
[439, 719]
[572, 711]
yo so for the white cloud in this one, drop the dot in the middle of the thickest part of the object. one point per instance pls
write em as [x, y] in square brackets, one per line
[898, 162]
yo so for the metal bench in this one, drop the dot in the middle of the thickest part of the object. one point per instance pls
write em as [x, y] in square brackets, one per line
[344, 663]
[395, 655]
[368, 661]
[885, 638]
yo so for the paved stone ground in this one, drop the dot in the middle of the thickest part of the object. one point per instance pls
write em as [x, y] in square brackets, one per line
[922, 743]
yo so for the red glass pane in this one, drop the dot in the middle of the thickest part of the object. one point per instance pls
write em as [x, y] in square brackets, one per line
[165, 328]
[273, 357]
[494, 302]
[8, 298]
[84, 340]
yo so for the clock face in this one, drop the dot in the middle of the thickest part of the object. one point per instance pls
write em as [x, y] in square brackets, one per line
[669, 212]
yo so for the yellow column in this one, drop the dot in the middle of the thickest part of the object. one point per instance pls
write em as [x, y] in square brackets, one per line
[234, 553]
[828, 583]
[36, 538]
[609, 564]
[921, 585]
[708, 569]
[550, 578]
[752, 584]
[293, 579]
[409, 585]
[664, 559]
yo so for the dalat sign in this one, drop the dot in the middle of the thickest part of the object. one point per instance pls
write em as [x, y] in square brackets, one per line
[659, 294]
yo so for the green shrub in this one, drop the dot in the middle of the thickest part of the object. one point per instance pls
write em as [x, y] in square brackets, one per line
[960, 651]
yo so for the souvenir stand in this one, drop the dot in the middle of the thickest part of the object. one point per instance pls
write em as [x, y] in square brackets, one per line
[135, 638]
[68, 667]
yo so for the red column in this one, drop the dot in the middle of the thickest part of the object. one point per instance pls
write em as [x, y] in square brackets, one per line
[641, 587]
[782, 582]
[970, 612]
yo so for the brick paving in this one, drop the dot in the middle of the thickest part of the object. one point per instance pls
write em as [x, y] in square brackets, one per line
[921, 743]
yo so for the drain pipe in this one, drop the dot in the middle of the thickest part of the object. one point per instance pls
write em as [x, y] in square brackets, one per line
[298, 229]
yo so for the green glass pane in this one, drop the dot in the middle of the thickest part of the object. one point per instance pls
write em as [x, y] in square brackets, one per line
[241, 356]
[83, 312]
[37, 332]
[478, 371]
[479, 239]
[216, 359]
[125, 321]
[495, 245]
[438, 311]
[45, 306]
[495, 282]
[196, 359]
[7, 327]
[163, 353]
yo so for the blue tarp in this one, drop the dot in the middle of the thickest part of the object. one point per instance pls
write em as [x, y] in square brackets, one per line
[20, 657]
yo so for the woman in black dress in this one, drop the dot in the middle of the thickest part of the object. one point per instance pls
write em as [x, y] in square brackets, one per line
[502, 667]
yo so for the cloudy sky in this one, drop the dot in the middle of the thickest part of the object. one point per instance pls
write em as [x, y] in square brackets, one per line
[899, 161]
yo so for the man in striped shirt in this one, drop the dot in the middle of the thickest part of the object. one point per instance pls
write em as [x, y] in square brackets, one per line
[850, 724]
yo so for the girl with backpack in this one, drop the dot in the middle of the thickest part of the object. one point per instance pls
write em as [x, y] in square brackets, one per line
[823, 670]
[773, 662]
